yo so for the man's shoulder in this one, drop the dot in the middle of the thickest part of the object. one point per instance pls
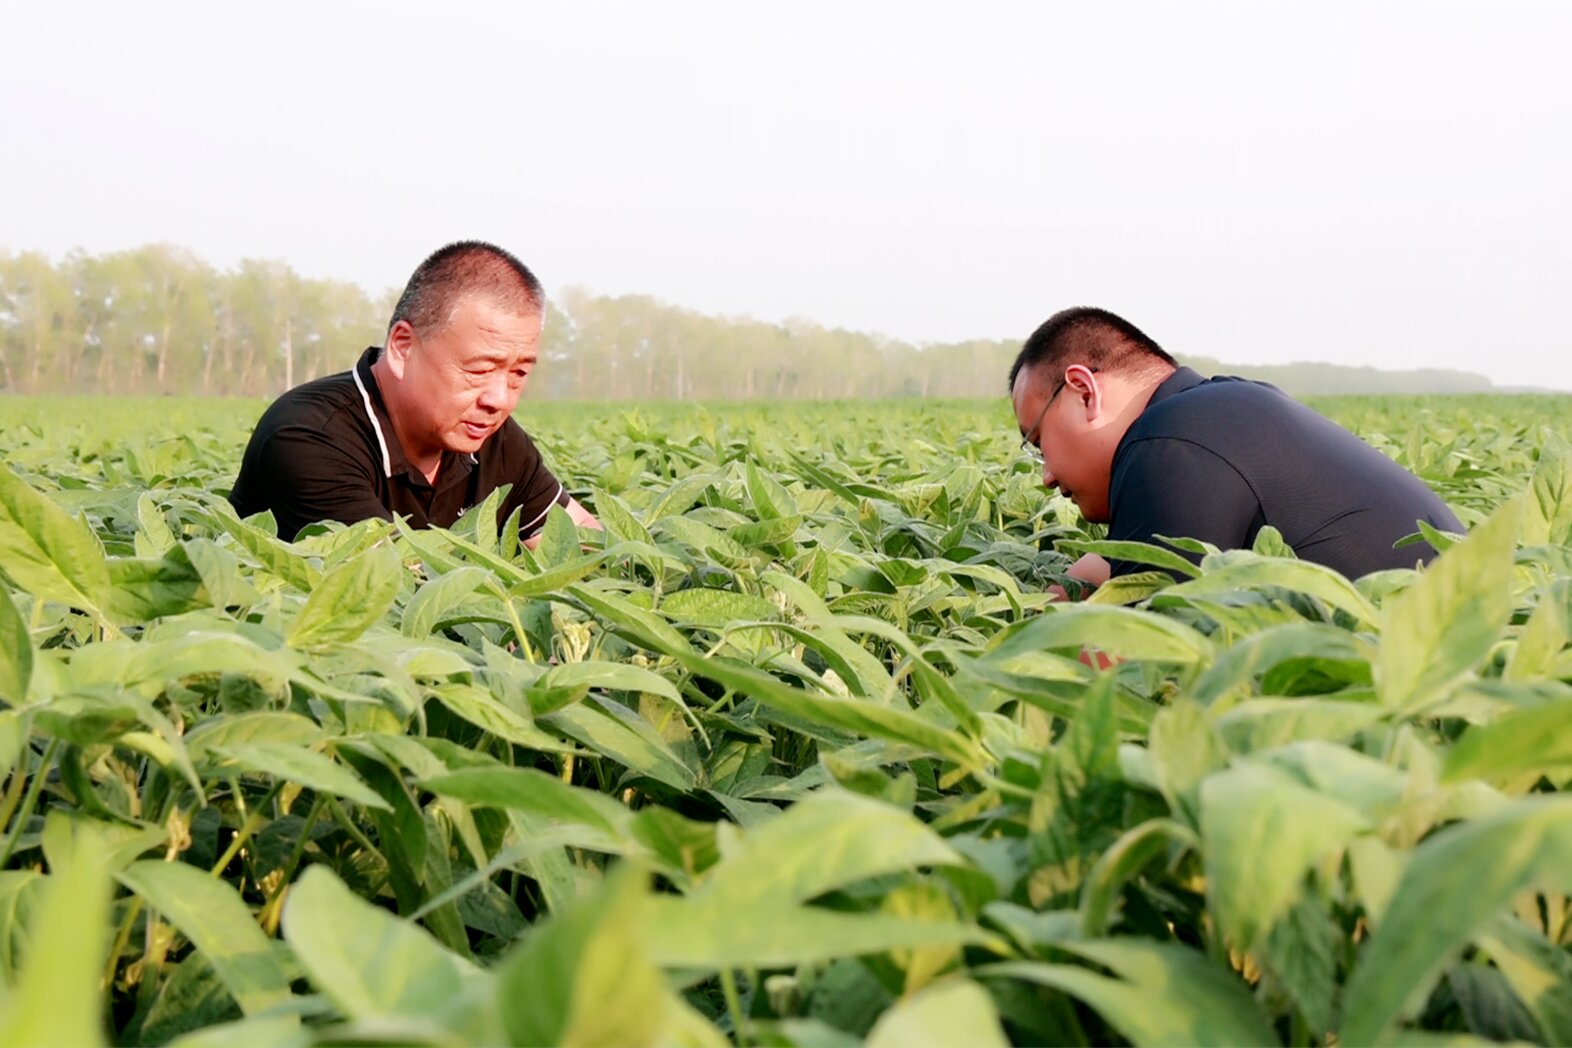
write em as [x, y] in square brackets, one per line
[314, 402]
[1224, 405]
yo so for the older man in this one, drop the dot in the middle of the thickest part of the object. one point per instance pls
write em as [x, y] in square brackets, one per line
[1151, 448]
[421, 426]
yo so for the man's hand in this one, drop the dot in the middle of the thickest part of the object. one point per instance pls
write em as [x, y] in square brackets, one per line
[1090, 569]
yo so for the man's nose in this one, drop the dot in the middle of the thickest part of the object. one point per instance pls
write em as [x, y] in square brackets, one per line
[1049, 480]
[495, 393]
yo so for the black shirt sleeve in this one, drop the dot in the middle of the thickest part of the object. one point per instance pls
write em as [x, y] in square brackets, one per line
[535, 488]
[1168, 486]
[305, 475]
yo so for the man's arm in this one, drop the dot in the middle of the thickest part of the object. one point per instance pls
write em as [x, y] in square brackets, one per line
[581, 516]
[1090, 569]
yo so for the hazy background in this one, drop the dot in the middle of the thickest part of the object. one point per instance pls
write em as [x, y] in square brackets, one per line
[1384, 184]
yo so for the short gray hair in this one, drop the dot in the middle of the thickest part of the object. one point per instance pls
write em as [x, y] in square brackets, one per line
[461, 268]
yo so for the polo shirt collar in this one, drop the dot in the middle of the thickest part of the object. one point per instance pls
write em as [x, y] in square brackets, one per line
[454, 467]
[1182, 379]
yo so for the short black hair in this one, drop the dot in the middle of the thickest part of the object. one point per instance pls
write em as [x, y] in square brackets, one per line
[1087, 335]
[460, 268]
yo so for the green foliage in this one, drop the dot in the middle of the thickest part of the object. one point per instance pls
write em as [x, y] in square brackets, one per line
[797, 751]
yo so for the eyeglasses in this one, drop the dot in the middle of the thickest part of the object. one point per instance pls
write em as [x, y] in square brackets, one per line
[1029, 444]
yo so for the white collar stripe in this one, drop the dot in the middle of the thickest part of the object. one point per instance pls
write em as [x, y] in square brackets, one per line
[542, 515]
[365, 398]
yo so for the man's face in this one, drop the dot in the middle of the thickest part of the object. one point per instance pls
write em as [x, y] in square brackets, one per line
[1065, 422]
[462, 381]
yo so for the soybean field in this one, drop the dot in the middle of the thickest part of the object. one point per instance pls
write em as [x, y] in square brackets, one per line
[797, 751]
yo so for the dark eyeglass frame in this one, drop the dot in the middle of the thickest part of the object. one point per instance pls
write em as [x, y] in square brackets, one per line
[1030, 446]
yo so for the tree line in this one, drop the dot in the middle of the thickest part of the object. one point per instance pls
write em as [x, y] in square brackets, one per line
[160, 320]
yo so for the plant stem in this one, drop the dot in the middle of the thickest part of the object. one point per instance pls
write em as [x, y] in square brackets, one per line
[121, 938]
[29, 802]
[247, 828]
[270, 911]
[349, 825]
[739, 1024]
[13, 792]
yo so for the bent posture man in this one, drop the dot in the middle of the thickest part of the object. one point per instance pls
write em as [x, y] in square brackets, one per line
[1150, 448]
[421, 426]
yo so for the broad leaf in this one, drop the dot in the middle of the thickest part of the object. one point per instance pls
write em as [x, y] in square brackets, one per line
[210, 913]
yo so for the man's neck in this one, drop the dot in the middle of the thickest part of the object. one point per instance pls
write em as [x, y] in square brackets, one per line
[429, 463]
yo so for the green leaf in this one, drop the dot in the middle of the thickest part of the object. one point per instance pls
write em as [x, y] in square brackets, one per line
[484, 710]
[1443, 625]
[821, 843]
[770, 499]
[56, 999]
[716, 608]
[1130, 854]
[1262, 724]
[641, 626]
[436, 598]
[1455, 882]
[375, 967]
[537, 793]
[1539, 972]
[854, 715]
[282, 1031]
[1136, 553]
[348, 600]
[765, 533]
[46, 551]
[1547, 519]
[276, 557]
[584, 977]
[292, 763]
[114, 845]
[1130, 589]
[559, 539]
[1544, 636]
[1163, 994]
[622, 735]
[684, 935]
[1303, 951]
[1260, 833]
[1254, 573]
[151, 589]
[275, 726]
[211, 914]
[154, 528]
[951, 1012]
[1125, 633]
[16, 653]
[1531, 740]
[1269, 543]
[610, 676]
[618, 520]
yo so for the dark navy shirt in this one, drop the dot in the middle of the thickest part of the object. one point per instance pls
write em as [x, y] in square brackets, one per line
[1216, 459]
[326, 451]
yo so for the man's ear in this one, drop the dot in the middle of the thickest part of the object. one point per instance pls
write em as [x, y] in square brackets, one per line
[401, 342]
[1081, 383]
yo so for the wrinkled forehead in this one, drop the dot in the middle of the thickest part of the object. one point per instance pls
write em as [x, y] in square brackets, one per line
[478, 326]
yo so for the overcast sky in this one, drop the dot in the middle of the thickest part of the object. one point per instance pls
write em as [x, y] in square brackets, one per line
[1379, 183]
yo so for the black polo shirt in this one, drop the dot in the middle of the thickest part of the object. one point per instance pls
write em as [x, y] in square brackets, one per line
[1216, 459]
[326, 451]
